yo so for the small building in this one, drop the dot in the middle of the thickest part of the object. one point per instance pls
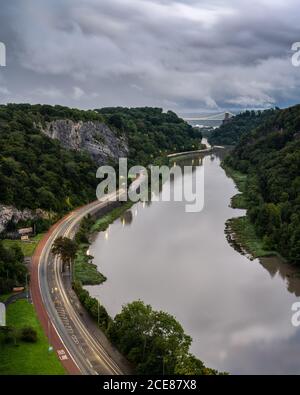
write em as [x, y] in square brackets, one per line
[24, 233]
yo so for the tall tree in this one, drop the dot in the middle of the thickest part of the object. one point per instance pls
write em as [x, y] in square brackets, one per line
[66, 249]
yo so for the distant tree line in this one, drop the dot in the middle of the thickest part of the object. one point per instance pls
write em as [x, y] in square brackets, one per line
[230, 133]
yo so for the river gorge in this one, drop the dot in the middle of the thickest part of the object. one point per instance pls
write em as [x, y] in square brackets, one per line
[237, 311]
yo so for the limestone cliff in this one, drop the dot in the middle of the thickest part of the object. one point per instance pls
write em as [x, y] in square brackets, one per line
[96, 138]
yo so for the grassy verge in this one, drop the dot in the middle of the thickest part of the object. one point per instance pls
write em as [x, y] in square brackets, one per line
[239, 200]
[27, 247]
[242, 236]
[27, 358]
[238, 177]
[103, 223]
[85, 271]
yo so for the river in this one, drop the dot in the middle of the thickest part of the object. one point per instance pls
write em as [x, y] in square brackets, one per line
[237, 311]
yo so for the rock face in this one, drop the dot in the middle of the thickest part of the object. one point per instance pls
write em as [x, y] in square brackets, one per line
[10, 213]
[96, 138]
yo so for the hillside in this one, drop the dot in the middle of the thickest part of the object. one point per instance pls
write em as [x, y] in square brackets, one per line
[151, 132]
[231, 132]
[270, 156]
[49, 154]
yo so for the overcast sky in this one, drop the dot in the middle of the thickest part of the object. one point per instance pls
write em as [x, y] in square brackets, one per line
[184, 55]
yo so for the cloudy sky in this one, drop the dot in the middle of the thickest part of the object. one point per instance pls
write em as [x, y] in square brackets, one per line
[184, 55]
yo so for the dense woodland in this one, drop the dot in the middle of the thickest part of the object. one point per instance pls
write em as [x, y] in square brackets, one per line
[151, 132]
[270, 156]
[37, 172]
[230, 133]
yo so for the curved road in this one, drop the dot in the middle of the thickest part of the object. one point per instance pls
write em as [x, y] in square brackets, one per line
[78, 342]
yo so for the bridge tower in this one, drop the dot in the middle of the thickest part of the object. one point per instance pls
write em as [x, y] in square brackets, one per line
[227, 118]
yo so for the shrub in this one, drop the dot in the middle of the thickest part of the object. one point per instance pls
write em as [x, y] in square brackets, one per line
[28, 335]
[8, 335]
[92, 306]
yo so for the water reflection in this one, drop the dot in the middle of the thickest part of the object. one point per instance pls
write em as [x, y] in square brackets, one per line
[127, 217]
[288, 273]
[237, 311]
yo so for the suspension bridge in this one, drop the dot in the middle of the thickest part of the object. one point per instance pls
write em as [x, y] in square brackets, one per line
[211, 117]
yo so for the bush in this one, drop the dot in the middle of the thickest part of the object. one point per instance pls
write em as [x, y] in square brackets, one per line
[8, 335]
[28, 335]
[91, 305]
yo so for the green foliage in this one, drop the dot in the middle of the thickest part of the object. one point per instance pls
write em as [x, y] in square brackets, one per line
[23, 358]
[230, 133]
[239, 200]
[49, 176]
[93, 306]
[28, 335]
[153, 341]
[66, 249]
[270, 157]
[12, 269]
[151, 132]
[84, 270]
[103, 223]
[27, 247]
[56, 179]
[82, 235]
[245, 236]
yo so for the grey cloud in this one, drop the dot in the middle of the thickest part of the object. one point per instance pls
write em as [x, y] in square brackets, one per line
[178, 54]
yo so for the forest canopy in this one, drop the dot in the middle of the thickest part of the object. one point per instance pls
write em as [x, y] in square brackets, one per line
[270, 156]
[37, 172]
[230, 133]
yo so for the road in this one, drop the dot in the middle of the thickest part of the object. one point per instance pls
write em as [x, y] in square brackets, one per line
[74, 336]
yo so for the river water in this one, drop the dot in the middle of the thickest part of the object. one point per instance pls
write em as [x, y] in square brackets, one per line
[237, 311]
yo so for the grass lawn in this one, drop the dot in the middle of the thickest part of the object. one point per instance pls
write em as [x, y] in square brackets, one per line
[28, 247]
[27, 358]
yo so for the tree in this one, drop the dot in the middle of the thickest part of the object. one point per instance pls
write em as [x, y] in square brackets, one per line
[66, 249]
[269, 154]
[12, 269]
[188, 364]
[152, 340]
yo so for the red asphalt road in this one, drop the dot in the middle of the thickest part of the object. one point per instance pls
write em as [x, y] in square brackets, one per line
[36, 296]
